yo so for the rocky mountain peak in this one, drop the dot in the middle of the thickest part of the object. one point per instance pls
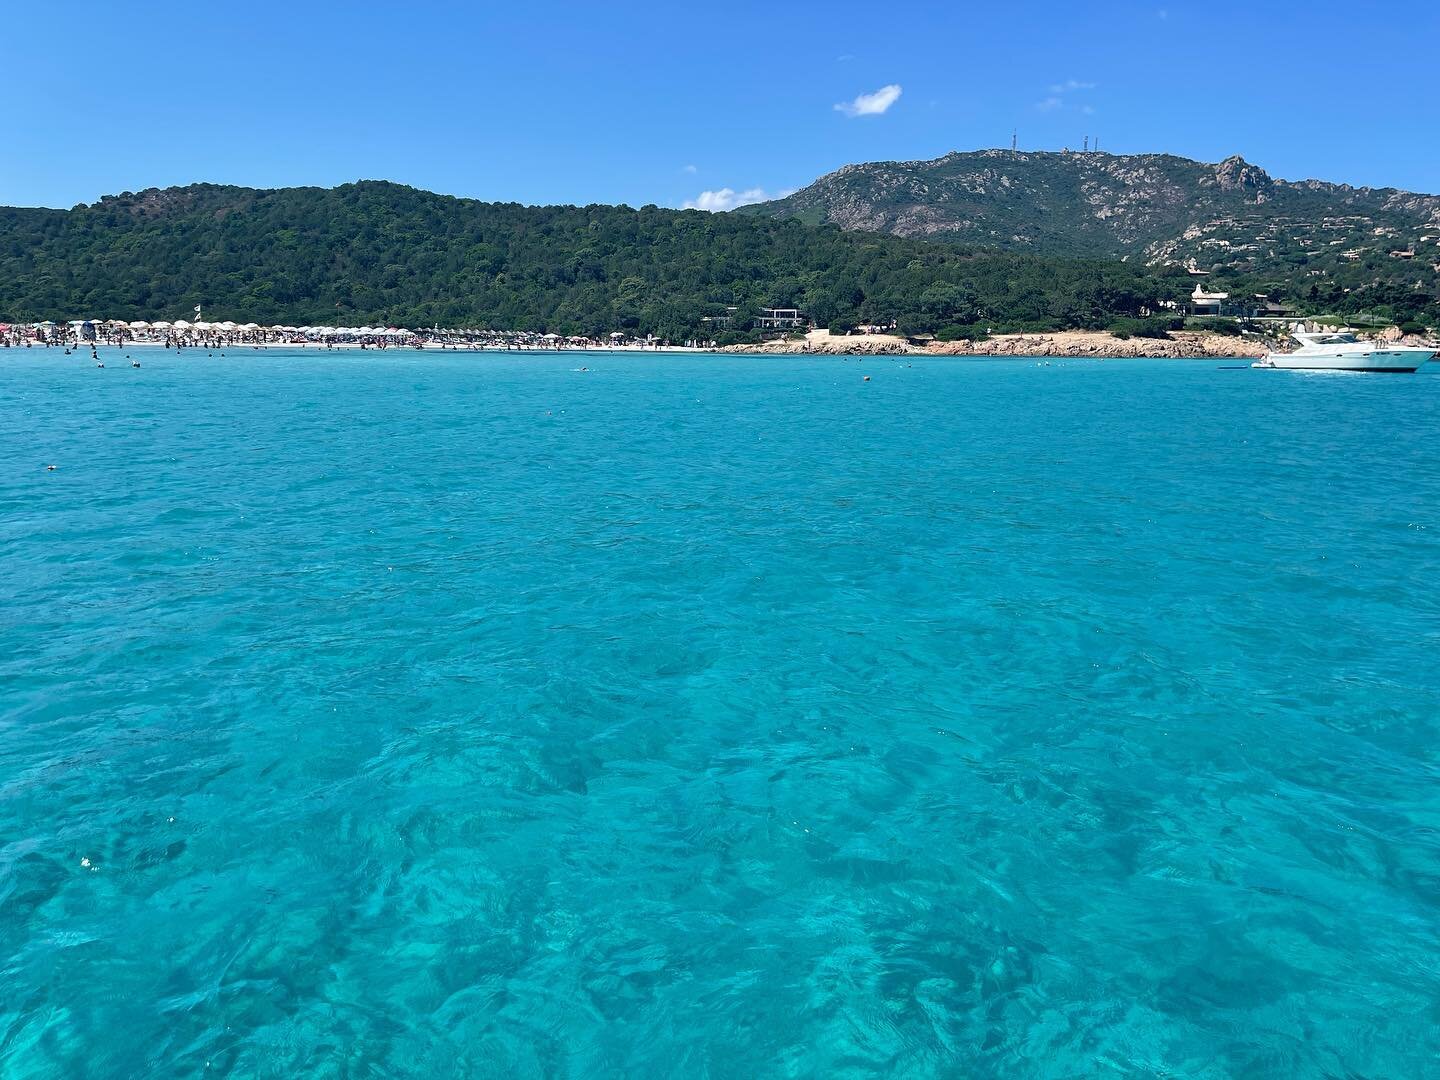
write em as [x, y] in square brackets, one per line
[1237, 174]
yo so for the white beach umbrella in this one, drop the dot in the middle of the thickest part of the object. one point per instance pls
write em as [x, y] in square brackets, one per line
[247, 326]
[182, 324]
[139, 325]
[162, 325]
[203, 326]
[226, 325]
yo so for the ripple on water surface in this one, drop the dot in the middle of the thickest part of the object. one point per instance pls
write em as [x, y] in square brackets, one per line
[409, 714]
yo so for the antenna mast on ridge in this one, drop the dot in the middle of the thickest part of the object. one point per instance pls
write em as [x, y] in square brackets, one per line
[1014, 138]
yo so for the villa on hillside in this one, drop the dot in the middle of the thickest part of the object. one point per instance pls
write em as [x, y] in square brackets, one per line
[780, 319]
[721, 322]
[1207, 303]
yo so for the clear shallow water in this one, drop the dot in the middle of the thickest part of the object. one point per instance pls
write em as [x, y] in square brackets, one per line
[440, 715]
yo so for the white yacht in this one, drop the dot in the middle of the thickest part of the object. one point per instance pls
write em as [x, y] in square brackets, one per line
[1341, 351]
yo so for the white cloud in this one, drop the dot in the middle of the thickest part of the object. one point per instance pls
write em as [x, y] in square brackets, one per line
[845, 58]
[689, 170]
[729, 198]
[875, 104]
[1059, 97]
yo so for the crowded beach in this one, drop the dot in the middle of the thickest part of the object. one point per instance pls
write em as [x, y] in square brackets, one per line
[182, 334]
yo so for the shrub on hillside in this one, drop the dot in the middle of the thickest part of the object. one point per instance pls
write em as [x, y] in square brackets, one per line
[1155, 327]
[955, 332]
[1228, 327]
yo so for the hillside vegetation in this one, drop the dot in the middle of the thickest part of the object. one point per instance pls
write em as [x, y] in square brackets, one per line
[376, 252]
[1317, 245]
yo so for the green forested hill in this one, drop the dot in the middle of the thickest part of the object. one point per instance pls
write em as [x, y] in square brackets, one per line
[375, 252]
[1308, 242]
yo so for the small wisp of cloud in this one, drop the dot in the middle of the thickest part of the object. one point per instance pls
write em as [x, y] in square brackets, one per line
[876, 104]
[689, 170]
[729, 199]
[1060, 94]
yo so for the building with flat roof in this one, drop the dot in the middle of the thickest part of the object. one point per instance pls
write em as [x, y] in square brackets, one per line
[780, 319]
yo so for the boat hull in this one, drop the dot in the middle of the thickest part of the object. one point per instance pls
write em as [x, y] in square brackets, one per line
[1378, 360]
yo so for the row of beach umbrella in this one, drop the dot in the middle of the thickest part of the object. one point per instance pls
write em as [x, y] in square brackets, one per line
[313, 332]
[230, 327]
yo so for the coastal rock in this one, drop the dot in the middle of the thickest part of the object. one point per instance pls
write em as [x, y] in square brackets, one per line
[1182, 344]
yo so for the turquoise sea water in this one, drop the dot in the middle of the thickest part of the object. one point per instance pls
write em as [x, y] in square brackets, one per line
[432, 715]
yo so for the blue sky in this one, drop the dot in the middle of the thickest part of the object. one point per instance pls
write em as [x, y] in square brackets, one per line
[646, 102]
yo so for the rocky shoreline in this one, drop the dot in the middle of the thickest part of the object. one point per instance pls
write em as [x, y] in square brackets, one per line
[1181, 344]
